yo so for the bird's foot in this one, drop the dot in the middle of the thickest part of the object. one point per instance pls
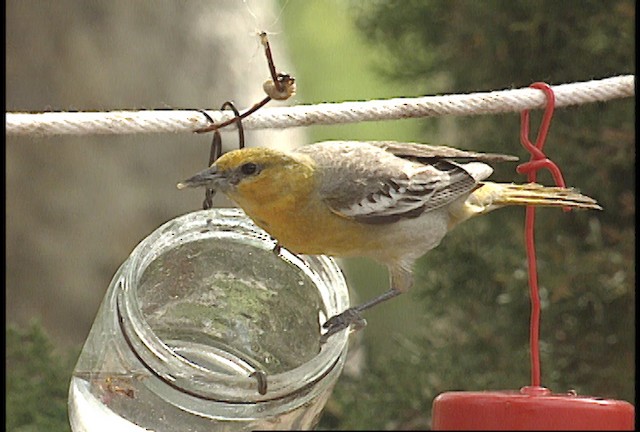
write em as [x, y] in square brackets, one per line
[337, 323]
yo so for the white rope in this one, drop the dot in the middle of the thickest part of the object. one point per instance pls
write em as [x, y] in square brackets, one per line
[164, 121]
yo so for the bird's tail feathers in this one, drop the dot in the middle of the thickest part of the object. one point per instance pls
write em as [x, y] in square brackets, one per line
[492, 195]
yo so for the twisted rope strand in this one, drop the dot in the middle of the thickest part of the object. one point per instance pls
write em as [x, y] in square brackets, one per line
[173, 121]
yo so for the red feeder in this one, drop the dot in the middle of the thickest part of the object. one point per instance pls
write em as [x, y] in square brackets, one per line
[534, 407]
[531, 408]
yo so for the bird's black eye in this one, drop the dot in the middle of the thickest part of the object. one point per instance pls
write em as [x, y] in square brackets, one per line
[249, 168]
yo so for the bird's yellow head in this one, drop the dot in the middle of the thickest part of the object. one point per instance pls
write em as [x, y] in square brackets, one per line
[256, 176]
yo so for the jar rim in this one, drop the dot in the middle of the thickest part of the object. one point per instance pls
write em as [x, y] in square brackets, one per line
[163, 362]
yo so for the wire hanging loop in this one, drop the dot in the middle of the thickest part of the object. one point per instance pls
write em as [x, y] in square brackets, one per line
[216, 148]
[538, 159]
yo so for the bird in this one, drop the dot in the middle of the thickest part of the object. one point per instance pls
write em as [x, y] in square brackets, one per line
[386, 200]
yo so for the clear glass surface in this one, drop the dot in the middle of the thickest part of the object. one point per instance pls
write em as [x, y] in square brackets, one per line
[204, 327]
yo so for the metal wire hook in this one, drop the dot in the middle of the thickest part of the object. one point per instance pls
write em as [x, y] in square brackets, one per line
[538, 158]
[281, 86]
[261, 378]
[216, 148]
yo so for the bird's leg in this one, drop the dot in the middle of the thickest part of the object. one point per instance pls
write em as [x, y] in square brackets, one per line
[352, 316]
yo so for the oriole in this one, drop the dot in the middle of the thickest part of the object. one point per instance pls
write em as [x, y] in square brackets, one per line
[389, 201]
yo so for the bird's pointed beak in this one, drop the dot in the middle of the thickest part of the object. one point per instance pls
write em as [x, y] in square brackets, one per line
[209, 177]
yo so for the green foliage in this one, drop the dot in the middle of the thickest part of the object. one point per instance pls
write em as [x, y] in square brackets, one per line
[473, 333]
[37, 382]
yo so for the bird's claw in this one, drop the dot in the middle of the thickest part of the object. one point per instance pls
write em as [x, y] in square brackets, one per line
[337, 323]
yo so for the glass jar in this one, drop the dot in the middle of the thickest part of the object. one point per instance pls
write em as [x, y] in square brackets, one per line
[205, 328]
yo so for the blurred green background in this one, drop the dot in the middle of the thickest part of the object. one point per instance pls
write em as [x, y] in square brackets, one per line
[464, 326]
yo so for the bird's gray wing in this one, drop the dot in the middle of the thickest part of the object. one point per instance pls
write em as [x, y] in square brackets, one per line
[371, 185]
[424, 151]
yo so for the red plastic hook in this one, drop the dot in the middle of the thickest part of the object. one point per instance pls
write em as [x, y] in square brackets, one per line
[538, 161]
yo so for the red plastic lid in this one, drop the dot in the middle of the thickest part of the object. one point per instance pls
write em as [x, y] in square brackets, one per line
[531, 408]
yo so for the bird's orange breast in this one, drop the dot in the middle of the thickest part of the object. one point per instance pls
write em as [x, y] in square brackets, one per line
[290, 210]
[308, 227]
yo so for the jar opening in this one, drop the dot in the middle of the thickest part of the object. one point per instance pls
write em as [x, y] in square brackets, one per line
[211, 310]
